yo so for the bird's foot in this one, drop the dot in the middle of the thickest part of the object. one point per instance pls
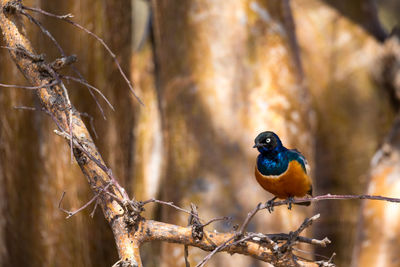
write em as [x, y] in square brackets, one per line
[270, 204]
[290, 202]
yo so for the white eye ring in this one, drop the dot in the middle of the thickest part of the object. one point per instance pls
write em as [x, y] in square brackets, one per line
[268, 140]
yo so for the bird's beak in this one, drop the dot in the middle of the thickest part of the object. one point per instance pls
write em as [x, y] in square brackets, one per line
[257, 145]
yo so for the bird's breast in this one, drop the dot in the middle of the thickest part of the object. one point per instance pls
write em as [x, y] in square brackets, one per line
[294, 182]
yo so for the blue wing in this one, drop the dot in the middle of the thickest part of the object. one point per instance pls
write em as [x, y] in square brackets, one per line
[294, 154]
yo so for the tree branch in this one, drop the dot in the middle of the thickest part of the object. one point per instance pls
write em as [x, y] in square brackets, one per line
[149, 231]
[11, 27]
[330, 197]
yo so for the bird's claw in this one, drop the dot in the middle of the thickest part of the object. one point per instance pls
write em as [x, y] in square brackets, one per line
[270, 205]
[290, 202]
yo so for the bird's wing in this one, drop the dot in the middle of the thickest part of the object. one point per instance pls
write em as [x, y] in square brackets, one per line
[296, 155]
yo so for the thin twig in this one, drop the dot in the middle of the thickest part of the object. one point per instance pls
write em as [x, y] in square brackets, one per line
[45, 31]
[91, 121]
[283, 236]
[186, 255]
[29, 87]
[220, 247]
[83, 81]
[98, 163]
[224, 218]
[76, 143]
[250, 215]
[90, 91]
[328, 263]
[25, 108]
[332, 197]
[171, 204]
[63, 54]
[94, 209]
[311, 253]
[294, 235]
[72, 213]
[100, 40]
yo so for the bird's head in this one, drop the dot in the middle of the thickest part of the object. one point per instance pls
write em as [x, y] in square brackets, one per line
[267, 142]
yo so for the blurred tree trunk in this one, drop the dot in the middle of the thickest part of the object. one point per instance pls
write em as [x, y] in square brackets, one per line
[378, 238]
[353, 112]
[19, 172]
[227, 71]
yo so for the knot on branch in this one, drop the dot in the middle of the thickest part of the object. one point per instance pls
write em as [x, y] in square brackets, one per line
[60, 63]
[132, 216]
[12, 7]
[197, 226]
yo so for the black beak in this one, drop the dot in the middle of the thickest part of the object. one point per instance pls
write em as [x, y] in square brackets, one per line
[257, 145]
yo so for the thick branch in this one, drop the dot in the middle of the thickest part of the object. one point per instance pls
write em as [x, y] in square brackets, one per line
[149, 230]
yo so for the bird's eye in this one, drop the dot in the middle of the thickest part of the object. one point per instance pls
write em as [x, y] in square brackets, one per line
[268, 140]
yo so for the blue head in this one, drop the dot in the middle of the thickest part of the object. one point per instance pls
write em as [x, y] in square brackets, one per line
[268, 143]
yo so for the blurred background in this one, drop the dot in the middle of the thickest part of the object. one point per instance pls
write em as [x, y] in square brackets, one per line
[323, 75]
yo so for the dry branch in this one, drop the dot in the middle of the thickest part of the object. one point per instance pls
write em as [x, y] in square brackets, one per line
[54, 101]
[329, 197]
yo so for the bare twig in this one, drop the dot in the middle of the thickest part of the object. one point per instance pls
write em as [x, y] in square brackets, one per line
[29, 87]
[83, 81]
[224, 218]
[25, 108]
[186, 255]
[250, 215]
[100, 40]
[283, 236]
[332, 197]
[91, 121]
[171, 204]
[95, 160]
[294, 235]
[45, 31]
[64, 60]
[220, 247]
[328, 263]
[94, 209]
[72, 213]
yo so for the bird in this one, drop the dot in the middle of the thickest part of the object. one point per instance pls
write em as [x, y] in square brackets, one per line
[281, 171]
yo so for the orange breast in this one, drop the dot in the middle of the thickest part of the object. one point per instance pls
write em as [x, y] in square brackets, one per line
[294, 182]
